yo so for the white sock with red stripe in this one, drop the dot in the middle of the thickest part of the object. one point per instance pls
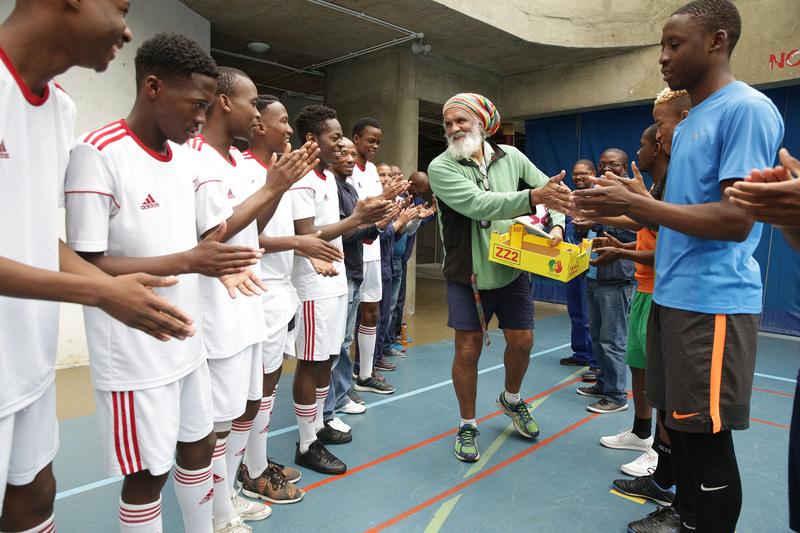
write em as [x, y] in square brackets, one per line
[222, 504]
[48, 526]
[306, 414]
[140, 518]
[255, 455]
[366, 347]
[194, 490]
[321, 395]
[237, 441]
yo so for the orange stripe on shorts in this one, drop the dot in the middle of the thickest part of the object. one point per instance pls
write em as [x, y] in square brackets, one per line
[717, 351]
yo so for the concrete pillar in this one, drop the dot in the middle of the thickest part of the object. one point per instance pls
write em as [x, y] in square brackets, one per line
[381, 86]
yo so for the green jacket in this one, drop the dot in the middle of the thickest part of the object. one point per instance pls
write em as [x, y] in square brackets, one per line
[463, 203]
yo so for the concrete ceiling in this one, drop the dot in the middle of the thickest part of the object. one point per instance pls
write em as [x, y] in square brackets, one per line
[302, 34]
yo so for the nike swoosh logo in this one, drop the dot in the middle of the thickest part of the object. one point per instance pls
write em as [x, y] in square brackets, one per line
[696, 135]
[676, 416]
[710, 489]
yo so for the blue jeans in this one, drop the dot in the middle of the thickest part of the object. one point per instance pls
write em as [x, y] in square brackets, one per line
[608, 305]
[342, 367]
[578, 314]
[397, 277]
[395, 328]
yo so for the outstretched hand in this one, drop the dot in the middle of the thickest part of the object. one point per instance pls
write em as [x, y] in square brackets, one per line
[394, 188]
[213, 258]
[131, 300]
[372, 209]
[771, 195]
[635, 184]
[286, 171]
[554, 194]
[609, 199]
[312, 247]
[246, 282]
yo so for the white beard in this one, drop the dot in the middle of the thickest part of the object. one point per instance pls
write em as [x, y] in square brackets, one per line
[463, 145]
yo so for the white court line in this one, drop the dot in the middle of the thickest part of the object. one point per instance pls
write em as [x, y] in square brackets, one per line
[109, 481]
[393, 398]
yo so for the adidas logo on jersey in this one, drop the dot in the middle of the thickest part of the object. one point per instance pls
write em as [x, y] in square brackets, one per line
[149, 203]
[218, 479]
[263, 430]
[325, 198]
[208, 498]
[3, 151]
[231, 196]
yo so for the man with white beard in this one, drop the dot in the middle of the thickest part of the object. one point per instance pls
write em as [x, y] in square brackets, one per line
[480, 186]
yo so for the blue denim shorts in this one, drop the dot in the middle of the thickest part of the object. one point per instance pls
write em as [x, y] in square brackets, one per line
[512, 304]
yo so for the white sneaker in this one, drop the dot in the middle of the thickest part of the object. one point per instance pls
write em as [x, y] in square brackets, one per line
[248, 510]
[234, 526]
[352, 408]
[337, 424]
[627, 440]
[643, 466]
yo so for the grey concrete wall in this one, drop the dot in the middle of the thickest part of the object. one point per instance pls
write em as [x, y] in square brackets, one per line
[106, 97]
[635, 77]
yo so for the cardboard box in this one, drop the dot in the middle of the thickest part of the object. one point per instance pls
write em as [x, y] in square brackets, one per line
[520, 250]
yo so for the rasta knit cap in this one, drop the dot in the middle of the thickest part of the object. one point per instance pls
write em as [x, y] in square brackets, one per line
[478, 106]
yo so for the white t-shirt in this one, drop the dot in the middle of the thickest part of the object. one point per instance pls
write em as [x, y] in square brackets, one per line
[368, 183]
[276, 267]
[316, 196]
[128, 201]
[35, 136]
[230, 325]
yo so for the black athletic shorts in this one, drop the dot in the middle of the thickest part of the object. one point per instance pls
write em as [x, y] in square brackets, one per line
[512, 304]
[699, 368]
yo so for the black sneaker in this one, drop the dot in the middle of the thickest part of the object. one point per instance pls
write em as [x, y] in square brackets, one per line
[590, 391]
[319, 459]
[355, 397]
[645, 487]
[569, 361]
[329, 435]
[662, 520]
[590, 376]
[373, 385]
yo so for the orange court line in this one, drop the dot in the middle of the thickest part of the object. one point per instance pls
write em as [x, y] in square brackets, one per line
[770, 423]
[479, 476]
[420, 444]
[773, 392]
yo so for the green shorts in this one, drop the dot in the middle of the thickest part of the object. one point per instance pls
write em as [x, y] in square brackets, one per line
[637, 329]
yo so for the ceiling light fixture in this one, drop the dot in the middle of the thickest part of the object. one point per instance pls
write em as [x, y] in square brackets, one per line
[257, 47]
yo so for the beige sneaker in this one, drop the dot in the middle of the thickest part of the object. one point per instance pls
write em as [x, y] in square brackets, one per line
[234, 526]
[248, 510]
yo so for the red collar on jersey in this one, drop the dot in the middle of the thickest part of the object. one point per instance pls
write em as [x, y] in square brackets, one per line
[320, 175]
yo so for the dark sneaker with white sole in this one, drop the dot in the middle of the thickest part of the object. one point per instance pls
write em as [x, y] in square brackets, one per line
[331, 435]
[604, 406]
[319, 459]
[373, 385]
[590, 391]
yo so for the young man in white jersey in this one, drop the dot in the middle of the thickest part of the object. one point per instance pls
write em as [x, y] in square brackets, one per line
[38, 41]
[234, 329]
[324, 299]
[367, 139]
[258, 476]
[124, 184]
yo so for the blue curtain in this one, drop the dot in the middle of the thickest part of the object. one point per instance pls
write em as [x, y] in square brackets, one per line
[555, 143]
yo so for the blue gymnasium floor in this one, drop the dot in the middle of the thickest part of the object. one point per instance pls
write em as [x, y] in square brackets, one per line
[403, 475]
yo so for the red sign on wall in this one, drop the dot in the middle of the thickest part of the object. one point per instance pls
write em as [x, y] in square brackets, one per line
[787, 59]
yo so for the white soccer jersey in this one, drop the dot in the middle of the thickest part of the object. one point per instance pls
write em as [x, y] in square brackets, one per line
[128, 201]
[276, 267]
[35, 136]
[230, 325]
[316, 196]
[368, 183]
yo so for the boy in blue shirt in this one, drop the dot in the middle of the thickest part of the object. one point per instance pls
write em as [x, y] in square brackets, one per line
[701, 340]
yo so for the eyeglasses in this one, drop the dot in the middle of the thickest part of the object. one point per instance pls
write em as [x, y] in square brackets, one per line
[612, 165]
[581, 174]
[484, 224]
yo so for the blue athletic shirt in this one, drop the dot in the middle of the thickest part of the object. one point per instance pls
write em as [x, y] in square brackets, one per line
[727, 135]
